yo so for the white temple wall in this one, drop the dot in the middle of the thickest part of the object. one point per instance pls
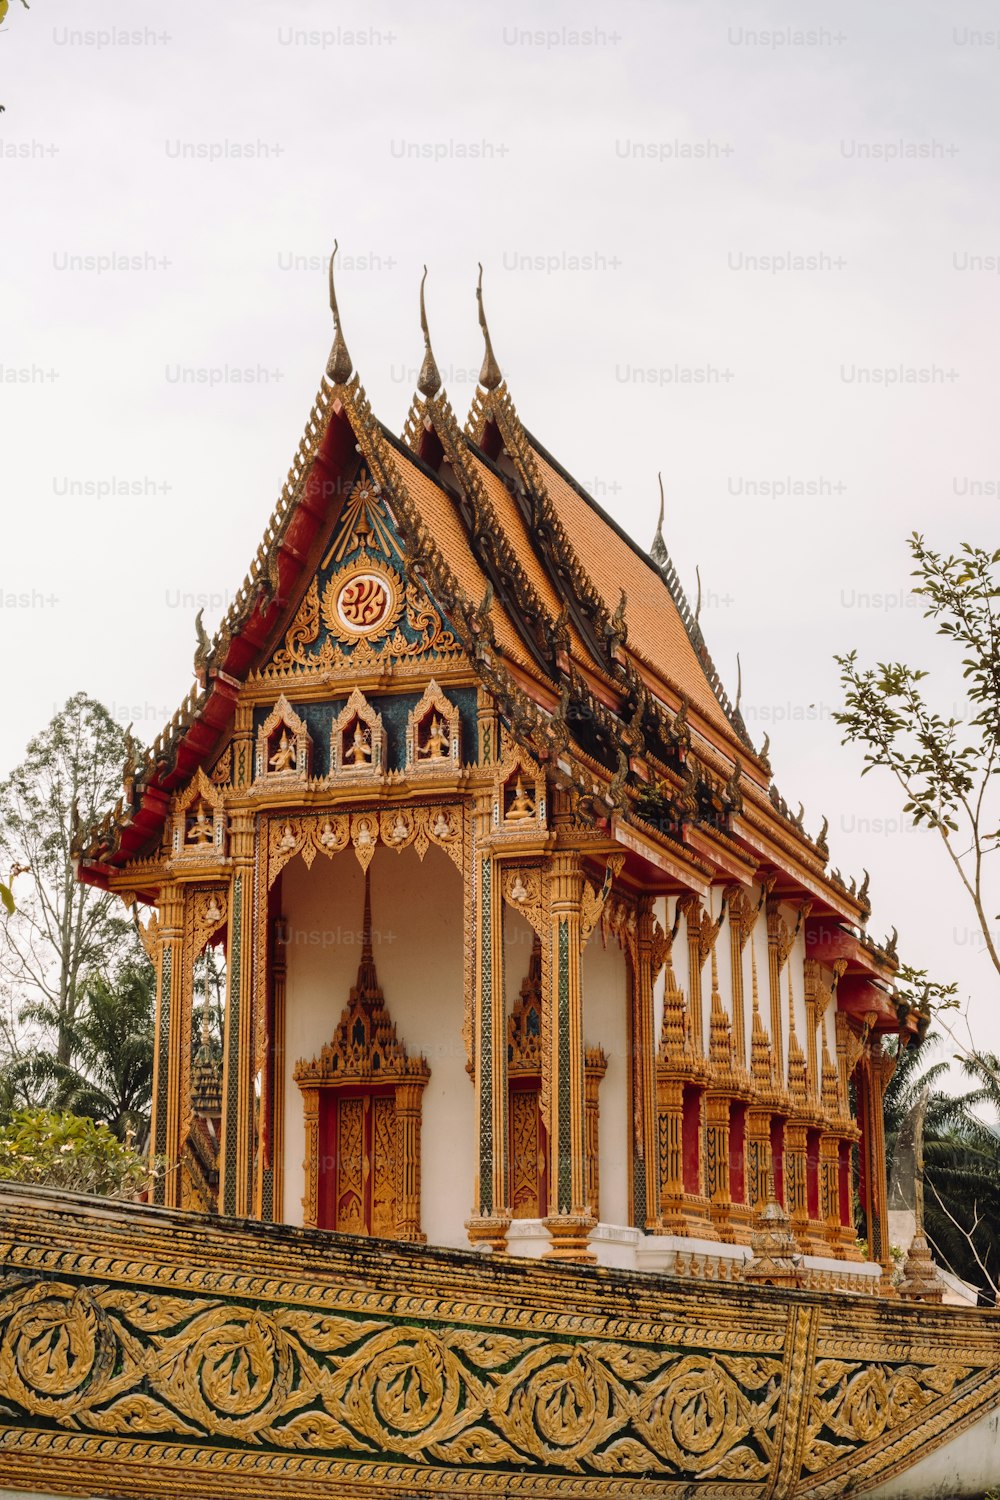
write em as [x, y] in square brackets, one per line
[724, 964]
[605, 1024]
[797, 958]
[417, 931]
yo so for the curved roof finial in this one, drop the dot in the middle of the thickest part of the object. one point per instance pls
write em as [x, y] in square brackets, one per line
[658, 551]
[490, 375]
[340, 364]
[429, 379]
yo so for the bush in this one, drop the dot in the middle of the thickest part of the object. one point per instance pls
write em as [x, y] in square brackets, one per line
[70, 1152]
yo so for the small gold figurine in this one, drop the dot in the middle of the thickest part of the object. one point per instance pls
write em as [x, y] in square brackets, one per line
[283, 758]
[522, 806]
[200, 831]
[438, 740]
[359, 751]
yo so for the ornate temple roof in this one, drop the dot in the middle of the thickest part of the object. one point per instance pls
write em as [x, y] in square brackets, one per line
[585, 640]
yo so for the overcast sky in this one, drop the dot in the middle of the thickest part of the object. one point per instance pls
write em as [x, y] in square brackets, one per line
[756, 246]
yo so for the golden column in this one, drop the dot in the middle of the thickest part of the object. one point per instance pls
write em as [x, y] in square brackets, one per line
[409, 1097]
[571, 1222]
[700, 939]
[163, 940]
[236, 1157]
[677, 1066]
[595, 1067]
[720, 1095]
[797, 1131]
[649, 937]
[491, 1211]
[872, 1077]
[758, 1118]
[276, 1062]
[743, 915]
[779, 944]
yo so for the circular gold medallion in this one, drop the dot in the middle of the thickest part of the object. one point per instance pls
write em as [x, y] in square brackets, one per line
[368, 601]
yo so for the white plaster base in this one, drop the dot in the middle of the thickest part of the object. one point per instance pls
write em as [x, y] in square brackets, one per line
[626, 1249]
[614, 1244]
[964, 1469]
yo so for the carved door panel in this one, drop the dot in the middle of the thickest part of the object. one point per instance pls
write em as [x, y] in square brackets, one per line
[357, 1192]
[528, 1154]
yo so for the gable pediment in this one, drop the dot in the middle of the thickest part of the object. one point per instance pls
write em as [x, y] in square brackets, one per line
[361, 609]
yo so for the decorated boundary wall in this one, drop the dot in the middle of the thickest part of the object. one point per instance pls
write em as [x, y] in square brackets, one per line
[147, 1352]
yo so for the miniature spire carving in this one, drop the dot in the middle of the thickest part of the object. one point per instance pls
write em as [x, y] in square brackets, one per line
[340, 364]
[796, 1057]
[490, 375]
[760, 1049]
[720, 1032]
[658, 551]
[429, 380]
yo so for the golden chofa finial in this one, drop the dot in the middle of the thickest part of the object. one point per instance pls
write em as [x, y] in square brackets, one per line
[429, 380]
[658, 551]
[339, 365]
[490, 375]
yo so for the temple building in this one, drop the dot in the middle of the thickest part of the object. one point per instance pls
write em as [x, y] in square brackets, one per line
[524, 948]
[532, 1154]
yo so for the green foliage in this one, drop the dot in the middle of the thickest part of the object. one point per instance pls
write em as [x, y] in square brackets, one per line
[961, 1161]
[68, 1151]
[110, 1073]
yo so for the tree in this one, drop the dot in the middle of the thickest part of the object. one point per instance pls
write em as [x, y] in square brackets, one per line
[61, 929]
[110, 1074]
[946, 767]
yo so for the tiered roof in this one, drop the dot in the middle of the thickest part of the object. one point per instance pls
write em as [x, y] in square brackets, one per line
[585, 640]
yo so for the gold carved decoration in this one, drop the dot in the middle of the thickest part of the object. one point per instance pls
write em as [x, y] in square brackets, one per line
[618, 920]
[309, 835]
[522, 889]
[433, 734]
[209, 910]
[149, 935]
[283, 747]
[319, 833]
[528, 1163]
[197, 826]
[222, 771]
[519, 801]
[592, 904]
[365, 599]
[357, 741]
[743, 913]
[128, 1368]
[703, 928]
[825, 995]
[595, 1065]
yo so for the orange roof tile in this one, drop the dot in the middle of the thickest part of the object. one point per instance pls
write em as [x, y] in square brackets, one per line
[656, 631]
[445, 525]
